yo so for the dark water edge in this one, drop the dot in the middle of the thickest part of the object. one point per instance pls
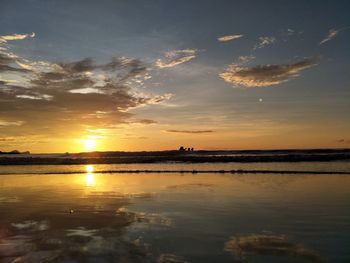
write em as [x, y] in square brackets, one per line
[314, 155]
[190, 172]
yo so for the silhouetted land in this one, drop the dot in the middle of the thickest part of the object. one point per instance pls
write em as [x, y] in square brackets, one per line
[311, 155]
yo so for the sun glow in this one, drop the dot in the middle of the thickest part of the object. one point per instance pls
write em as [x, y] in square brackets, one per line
[89, 145]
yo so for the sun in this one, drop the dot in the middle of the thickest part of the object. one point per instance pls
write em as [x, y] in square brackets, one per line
[89, 145]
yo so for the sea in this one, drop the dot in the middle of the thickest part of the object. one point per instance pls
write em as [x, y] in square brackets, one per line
[120, 213]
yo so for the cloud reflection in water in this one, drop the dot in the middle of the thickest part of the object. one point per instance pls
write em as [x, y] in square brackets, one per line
[260, 244]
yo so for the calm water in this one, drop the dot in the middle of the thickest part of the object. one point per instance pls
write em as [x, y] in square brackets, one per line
[94, 217]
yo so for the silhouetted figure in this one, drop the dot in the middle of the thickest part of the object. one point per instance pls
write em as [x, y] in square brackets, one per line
[182, 149]
[192, 149]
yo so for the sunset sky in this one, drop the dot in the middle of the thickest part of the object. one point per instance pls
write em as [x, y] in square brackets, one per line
[155, 75]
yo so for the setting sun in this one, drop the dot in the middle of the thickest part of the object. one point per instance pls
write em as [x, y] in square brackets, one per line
[89, 145]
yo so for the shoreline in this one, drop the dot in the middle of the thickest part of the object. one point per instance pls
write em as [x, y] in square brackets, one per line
[179, 157]
[237, 171]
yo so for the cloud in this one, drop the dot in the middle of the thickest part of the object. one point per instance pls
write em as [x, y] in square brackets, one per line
[35, 97]
[331, 34]
[260, 244]
[264, 41]
[290, 31]
[8, 63]
[144, 121]
[176, 57]
[86, 90]
[265, 75]
[245, 59]
[343, 141]
[80, 95]
[4, 39]
[160, 98]
[190, 131]
[229, 38]
[7, 139]
[10, 123]
[128, 137]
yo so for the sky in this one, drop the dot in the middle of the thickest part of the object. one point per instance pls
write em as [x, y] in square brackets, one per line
[156, 75]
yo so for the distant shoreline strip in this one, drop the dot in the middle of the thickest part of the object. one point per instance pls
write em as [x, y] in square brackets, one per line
[184, 172]
[178, 157]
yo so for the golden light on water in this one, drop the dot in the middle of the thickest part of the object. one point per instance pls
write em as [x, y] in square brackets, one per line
[89, 177]
[89, 168]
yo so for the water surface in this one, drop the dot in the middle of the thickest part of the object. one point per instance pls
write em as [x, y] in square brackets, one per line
[174, 217]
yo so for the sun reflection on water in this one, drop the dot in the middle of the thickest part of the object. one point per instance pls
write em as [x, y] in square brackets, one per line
[89, 168]
[90, 177]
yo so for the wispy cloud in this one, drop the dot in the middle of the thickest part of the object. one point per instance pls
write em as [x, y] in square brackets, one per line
[7, 139]
[264, 41]
[245, 59]
[176, 57]
[160, 98]
[8, 63]
[144, 121]
[332, 33]
[190, 131]
[35, 96]
[290, 31]
[265, 75]
[4, 39]
[345, 141]
[86, 91]
[229, 38]
[10, 123]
